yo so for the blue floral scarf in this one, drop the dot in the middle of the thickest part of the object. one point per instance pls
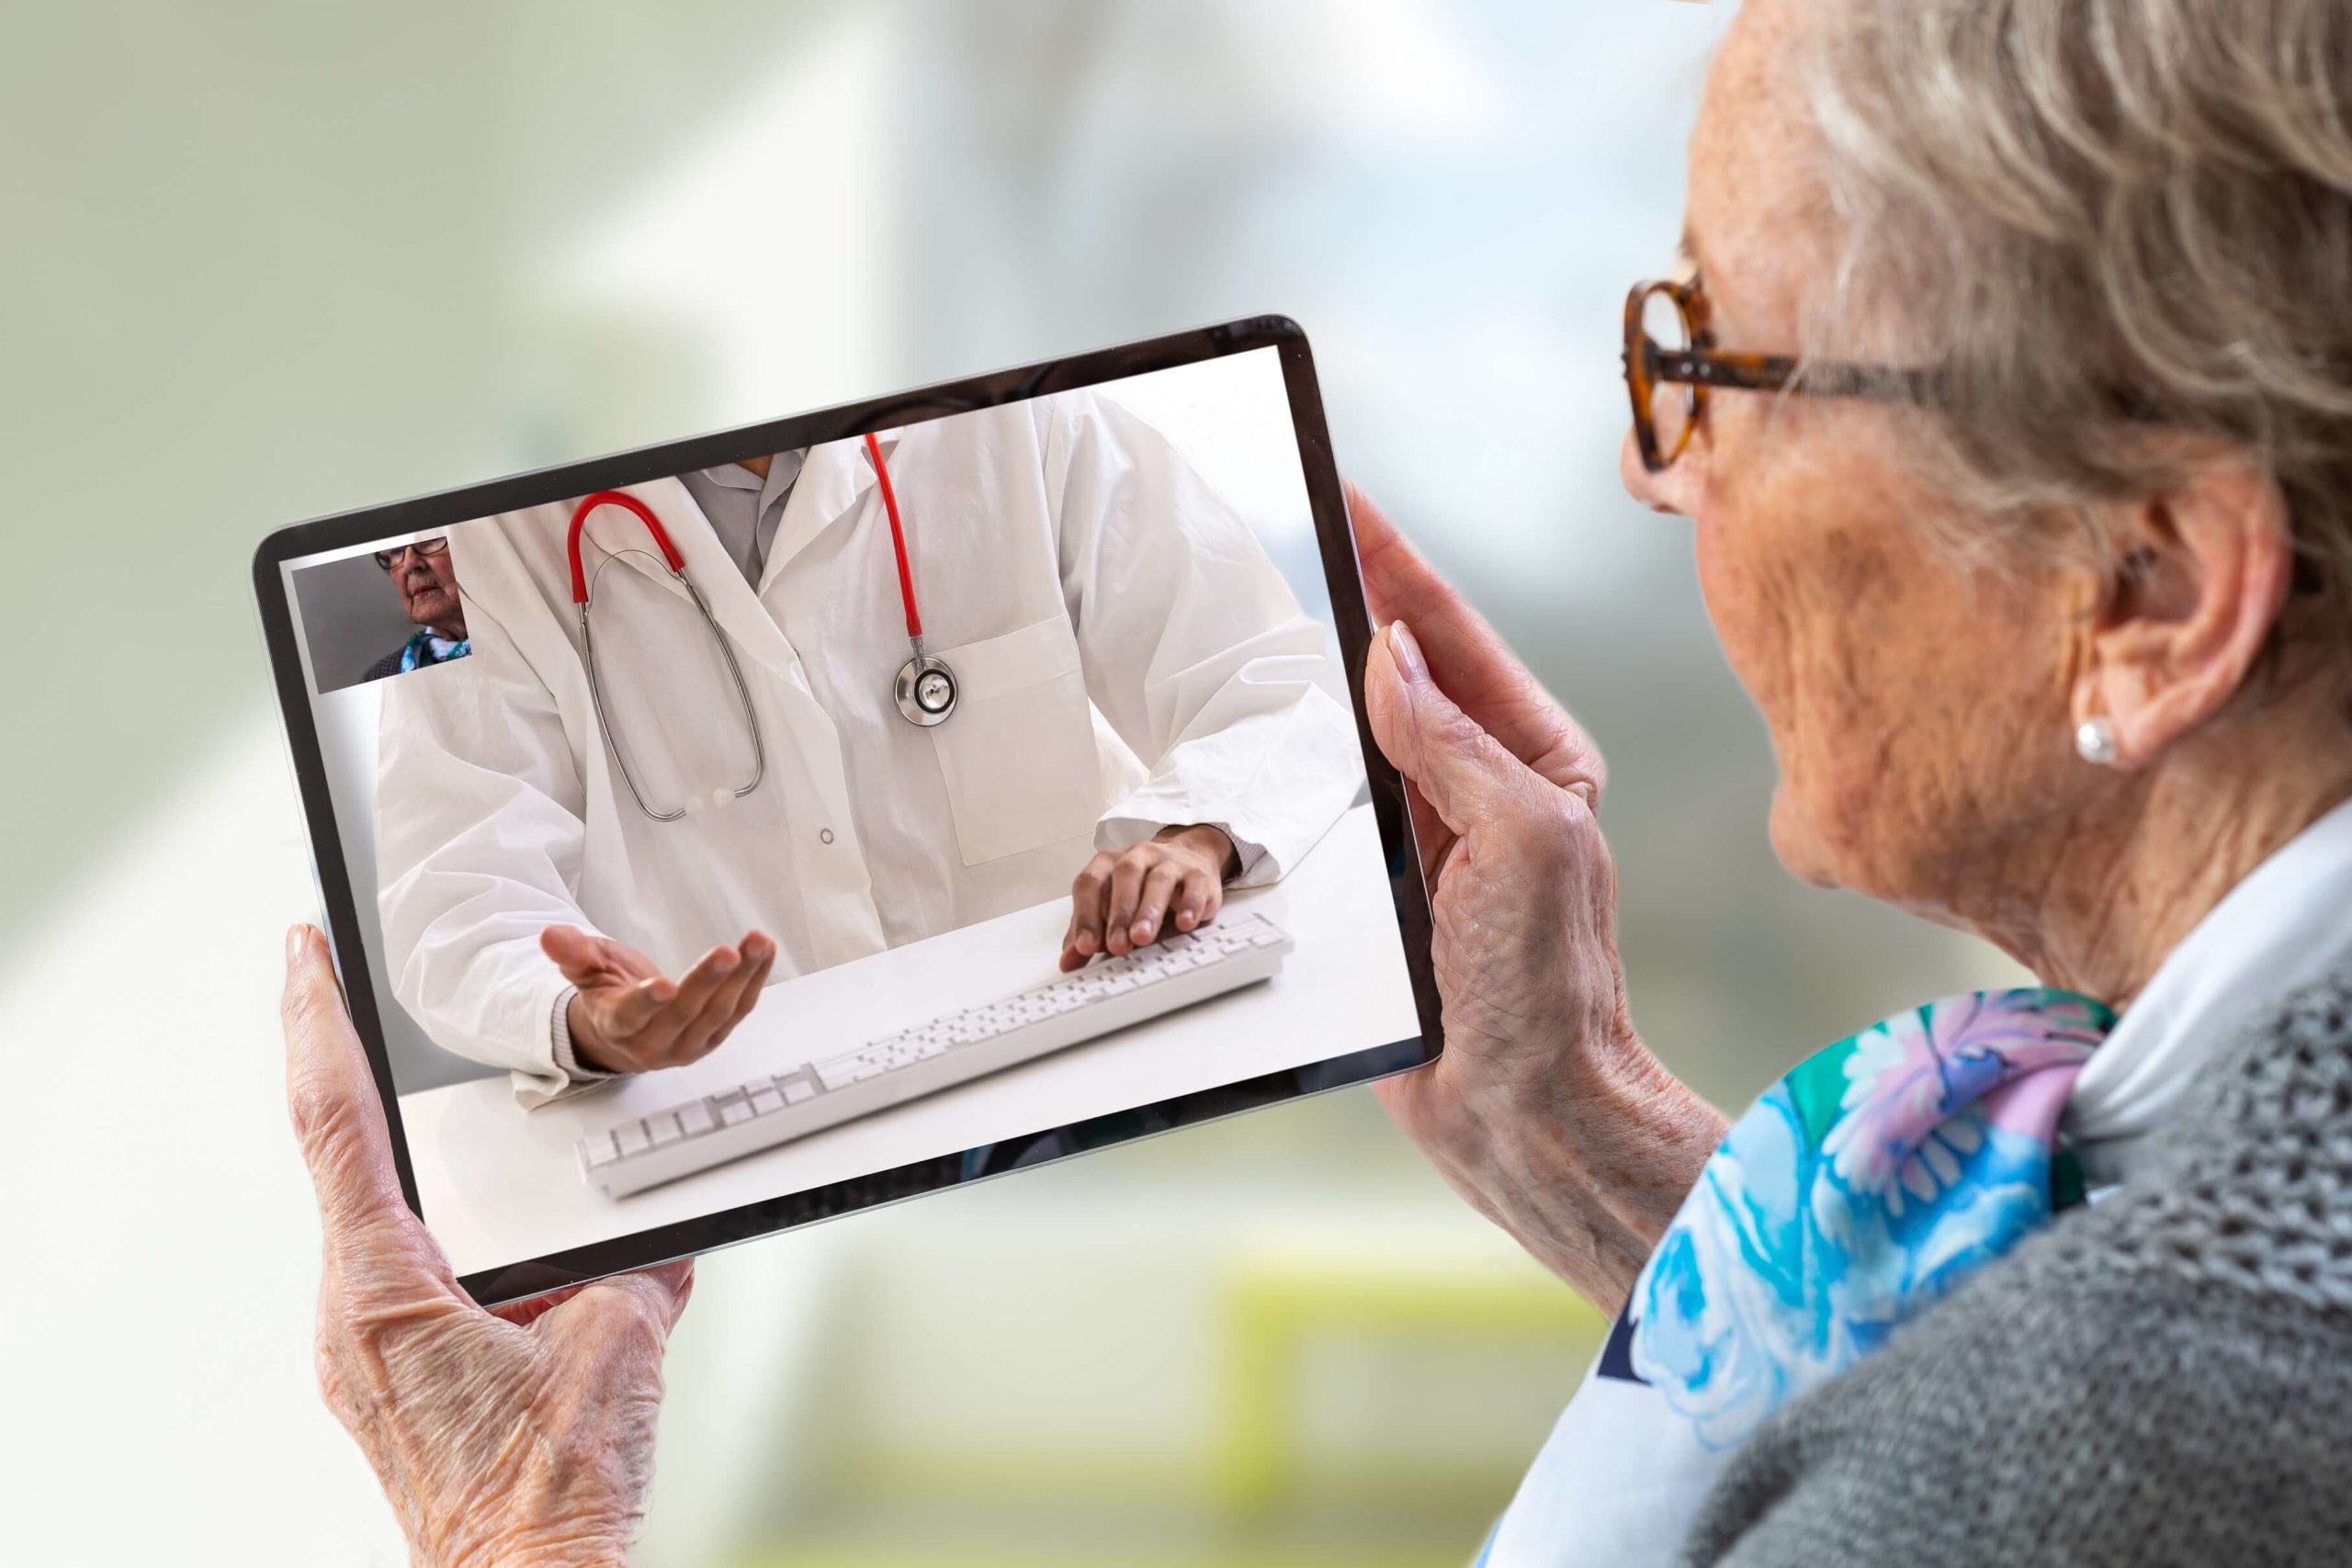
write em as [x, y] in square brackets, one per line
[1860, 1189]
[425, 646]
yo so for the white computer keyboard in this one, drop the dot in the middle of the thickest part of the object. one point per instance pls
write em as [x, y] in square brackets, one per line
[1109, 994]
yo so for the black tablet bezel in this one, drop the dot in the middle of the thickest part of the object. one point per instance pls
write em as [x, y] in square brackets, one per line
[1351, 618]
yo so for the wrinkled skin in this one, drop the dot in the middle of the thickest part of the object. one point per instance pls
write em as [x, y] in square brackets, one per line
[519, 1437]
[1920, 705]
[1545, 1111]
[428, 588]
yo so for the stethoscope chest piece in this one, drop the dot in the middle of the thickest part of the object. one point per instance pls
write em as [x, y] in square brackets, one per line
[926, 689]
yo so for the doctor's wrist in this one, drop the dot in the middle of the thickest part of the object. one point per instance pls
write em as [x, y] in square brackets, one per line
[1213, 845]
[571, 1061]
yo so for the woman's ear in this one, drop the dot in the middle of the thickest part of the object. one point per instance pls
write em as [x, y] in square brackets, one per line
[2200, 574]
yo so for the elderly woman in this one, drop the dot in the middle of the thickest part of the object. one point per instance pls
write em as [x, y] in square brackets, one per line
[2008, 386]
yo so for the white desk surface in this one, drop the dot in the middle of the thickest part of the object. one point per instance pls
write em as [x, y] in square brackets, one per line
[500, 1185]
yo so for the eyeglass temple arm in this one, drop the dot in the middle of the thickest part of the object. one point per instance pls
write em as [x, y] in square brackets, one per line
[1776, 372]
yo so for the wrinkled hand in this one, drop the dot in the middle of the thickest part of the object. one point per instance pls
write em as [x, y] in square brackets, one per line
[519, 1437]
[1127, 898]
[629, 1016]
[1545, 1110]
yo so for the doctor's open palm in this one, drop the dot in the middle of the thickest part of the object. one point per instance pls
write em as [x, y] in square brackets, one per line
[627, 1017]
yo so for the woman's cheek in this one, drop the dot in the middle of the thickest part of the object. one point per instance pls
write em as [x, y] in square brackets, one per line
[1761, 623]
[1734, 597]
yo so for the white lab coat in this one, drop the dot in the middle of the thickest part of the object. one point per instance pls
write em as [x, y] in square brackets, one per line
[1099, 604]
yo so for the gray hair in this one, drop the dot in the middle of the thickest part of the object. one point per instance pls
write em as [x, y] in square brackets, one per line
[2079, 209]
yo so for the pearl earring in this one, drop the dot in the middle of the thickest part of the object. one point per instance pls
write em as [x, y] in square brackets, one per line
[2095, 738]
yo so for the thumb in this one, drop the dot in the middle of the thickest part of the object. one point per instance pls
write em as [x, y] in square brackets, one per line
[582, 957]
[628, 1314]
[1462, 772]
[331, 1093]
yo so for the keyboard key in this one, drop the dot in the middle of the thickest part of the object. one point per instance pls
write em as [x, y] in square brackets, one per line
[598, 1147]
[631, 1136]
[766, 1099]
[796, 1089]
[662, 1127]
[842, 1072]
[734, 1111]
[695, 1119]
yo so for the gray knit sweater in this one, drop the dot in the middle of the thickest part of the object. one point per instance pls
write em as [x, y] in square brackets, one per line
[2163, 1377]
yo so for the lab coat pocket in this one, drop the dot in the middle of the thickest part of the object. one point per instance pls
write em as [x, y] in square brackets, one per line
[1018, 752]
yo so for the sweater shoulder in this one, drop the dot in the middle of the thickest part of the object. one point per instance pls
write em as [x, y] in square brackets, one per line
[2166, 1377]
[2251, 1187]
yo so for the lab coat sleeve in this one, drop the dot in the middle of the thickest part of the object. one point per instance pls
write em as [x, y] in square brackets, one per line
[479, 829]
[1195, 648]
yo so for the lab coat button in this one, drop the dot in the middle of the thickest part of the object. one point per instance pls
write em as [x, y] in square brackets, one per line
[824, 835]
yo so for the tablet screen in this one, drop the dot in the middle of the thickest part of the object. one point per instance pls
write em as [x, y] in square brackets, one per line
[818, 822]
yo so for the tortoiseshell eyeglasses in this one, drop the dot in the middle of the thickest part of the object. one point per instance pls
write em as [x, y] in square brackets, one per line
[1671, 363]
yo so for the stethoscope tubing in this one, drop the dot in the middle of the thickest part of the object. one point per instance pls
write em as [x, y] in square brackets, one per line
[925, 688]
[677, 568]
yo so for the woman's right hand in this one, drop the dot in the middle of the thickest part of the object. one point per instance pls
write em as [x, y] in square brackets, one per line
[626, 1015]
[1545, 1110]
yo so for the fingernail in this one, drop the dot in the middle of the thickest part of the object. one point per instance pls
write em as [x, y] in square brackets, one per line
[1143, 929]
[296, 936]
[1408, 651]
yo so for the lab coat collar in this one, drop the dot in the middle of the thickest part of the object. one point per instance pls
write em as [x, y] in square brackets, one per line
[834, 479]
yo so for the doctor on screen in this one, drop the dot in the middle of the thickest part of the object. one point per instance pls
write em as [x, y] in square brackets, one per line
[598, 836]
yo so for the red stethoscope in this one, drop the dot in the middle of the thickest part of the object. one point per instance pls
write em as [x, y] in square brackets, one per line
[925, 688]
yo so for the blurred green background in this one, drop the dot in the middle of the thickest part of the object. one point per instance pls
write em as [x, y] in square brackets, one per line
[267, 261]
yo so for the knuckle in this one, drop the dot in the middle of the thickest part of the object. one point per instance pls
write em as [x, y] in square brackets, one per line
[321, 1114]
[302, 1007]
[1569, 828]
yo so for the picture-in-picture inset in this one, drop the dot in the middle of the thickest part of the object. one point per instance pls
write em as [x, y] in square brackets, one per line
[388, 612]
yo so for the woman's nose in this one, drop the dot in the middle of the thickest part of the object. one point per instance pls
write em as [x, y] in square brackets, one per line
[1653, 490]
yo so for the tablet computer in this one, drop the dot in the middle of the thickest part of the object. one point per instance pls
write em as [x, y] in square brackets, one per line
[741, 831]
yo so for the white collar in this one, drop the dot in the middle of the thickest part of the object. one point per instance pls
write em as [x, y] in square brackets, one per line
[2288, 923]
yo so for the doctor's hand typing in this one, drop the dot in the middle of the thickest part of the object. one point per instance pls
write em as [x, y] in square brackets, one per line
[1129, 898]
[629, 1016]
[1545, 1111]
[522, 1436]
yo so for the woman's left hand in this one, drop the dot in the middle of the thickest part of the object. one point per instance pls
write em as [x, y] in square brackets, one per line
[519, 1437]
